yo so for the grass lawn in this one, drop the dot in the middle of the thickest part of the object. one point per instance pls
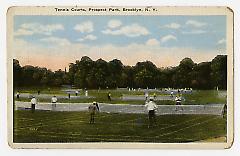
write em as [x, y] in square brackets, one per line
[205, 97]
[100, 100]
[43, 90]
[197, 97]
[63, 127]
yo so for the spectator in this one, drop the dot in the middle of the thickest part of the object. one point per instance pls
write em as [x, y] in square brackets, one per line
[109, 96]
[18, 95]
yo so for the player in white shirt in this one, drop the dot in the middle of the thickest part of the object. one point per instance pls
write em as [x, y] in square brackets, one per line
[178, 100]
[33, 103]
[146, 95]
[54, 101]
[93, 108]
[76, 92]
[18, 95]
[151, 107]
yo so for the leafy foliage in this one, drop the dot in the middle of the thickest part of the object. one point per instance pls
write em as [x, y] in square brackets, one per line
[86, 73]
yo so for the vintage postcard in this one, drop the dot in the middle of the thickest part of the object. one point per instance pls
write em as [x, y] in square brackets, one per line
[120, 77]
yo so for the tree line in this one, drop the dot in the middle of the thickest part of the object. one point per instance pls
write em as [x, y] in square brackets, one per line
[86, 73]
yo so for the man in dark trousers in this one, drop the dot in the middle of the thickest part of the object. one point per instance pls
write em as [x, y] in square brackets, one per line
[18, 95]
[93, 108]
[33, 103]
[109, 96]
[76, 92]
[178, 100]
[151, 107]
[54, 102]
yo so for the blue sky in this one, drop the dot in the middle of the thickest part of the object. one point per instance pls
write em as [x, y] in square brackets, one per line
[199, 35]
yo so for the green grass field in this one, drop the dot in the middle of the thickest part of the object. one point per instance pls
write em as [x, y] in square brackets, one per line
[197, 97]
[55, 127]
[59, 127]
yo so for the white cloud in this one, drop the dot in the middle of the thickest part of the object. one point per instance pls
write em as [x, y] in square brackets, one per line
[85, 27]
[133, 30]
[196, 24]
[56, 41]
[37, 28]
[194, 32]
[152, 42]
[23, 32]
[114, 24]
[168, 38]
[173, 26]
[222, 41]
[88, 37]
[60, 56]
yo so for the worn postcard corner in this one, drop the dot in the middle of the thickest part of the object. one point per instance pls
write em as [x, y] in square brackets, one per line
[120, 77]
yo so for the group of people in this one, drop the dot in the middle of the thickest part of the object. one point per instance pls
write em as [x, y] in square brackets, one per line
[93, 108]
[34, 103]
[76, 93]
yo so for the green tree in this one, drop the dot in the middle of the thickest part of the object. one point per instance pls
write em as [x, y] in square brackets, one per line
[145, 74]
[17, 73]
[202, 76]
[127, 77]
[101, 73]
[115, 68]
[83, 68]
[219, 71]
[183, 75]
